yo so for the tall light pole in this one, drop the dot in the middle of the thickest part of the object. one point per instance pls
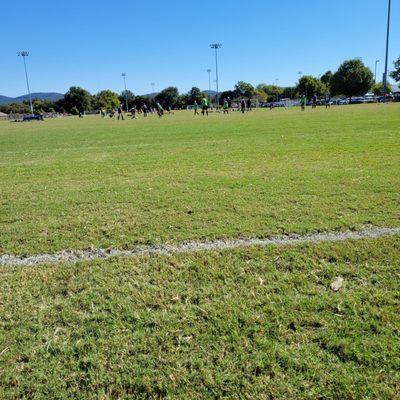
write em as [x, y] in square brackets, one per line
[376, 66]
[153, 87]
[209, 84]
[25, 54]
[387, 53]
[216, 46]
[126, 93]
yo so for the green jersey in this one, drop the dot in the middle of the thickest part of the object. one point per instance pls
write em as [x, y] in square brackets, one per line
[204, 102]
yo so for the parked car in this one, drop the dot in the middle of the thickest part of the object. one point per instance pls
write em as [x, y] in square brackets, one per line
[357, 100]
[370, 98]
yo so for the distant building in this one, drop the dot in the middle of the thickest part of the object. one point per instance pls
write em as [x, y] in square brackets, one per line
[3, 116]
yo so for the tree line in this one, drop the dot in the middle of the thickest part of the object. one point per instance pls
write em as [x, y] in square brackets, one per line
[352, 78]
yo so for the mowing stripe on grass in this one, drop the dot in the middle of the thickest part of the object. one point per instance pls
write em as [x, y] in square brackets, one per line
[68, 256]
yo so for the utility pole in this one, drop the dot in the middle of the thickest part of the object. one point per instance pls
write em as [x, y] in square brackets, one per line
[25, 54]
[216, 46]
[387, 53]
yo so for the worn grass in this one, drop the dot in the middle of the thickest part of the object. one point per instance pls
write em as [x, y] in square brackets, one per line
[243, 324]
[74, 183]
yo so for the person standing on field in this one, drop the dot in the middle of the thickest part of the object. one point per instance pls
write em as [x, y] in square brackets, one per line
[249, 104]
[145, 110]
[196, 108]
[160, 110]
[120, 115]
[243, 105]
[133, 111]
[303, 101]
[327, 100]
[204, 106]
[314, 101]
[225, 107]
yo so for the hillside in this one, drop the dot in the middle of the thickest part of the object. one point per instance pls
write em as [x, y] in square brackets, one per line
[42, 96]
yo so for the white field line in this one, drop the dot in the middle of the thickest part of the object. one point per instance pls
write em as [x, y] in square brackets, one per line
[70, 256]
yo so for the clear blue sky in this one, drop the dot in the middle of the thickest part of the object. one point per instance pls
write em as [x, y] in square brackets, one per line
[90, 43]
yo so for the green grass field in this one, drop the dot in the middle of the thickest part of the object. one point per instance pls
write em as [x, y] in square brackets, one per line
[246, 323]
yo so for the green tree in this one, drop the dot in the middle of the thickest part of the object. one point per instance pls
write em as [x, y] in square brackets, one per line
[289, 92]
[224, 95]
[127, 95]
[194, 94]
[309, 85]
[15, 108]
[260, 95]
[377, 89]
[74, 111]
[273, 92]
[141, 100]
[107, 99]
[352, 78]
[168, 97]
[244, 89]
[326, 78]
[43, 106]
[396, 73]
[77, 97]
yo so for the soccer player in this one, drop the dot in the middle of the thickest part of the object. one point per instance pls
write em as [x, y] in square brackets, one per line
[243, 105]
[314, 101]
[160, 110]
[249, 104]
[196, 108]
[225, 107]
[327, 100]
[133, 111]
[204, 106]
[145, 109]
[303, 101]
[120, 115]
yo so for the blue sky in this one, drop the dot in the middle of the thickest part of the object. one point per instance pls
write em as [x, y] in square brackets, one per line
[90, 43]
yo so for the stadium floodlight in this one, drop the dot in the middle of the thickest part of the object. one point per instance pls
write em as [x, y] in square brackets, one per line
[376, 65]
[126, 93]
[387, 53]
[216, 46]
[25, 54]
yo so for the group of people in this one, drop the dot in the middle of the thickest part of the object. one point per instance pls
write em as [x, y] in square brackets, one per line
[314, 101]
[135, 111]
[245, 105]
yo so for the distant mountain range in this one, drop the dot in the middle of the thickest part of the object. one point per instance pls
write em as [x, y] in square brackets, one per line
[41, 96]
